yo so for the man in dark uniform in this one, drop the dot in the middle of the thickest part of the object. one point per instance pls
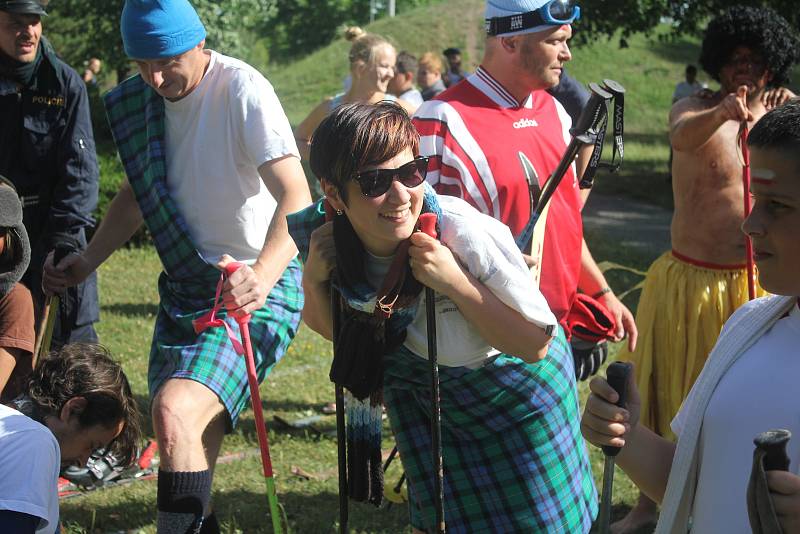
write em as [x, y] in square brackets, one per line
[47, 150]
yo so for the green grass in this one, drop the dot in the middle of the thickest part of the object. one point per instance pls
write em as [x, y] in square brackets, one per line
[299, 386]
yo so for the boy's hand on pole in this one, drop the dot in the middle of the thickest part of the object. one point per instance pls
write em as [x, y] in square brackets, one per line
[604, 423]
[784, 490]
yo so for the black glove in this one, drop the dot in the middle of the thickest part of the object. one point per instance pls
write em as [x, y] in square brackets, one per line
[588, 357]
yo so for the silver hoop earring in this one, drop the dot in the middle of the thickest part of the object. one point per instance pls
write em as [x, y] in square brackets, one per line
[339, 212]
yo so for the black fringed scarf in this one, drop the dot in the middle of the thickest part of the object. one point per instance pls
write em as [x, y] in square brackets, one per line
[370, 325]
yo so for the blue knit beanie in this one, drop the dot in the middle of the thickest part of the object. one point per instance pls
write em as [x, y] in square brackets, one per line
[157, 29]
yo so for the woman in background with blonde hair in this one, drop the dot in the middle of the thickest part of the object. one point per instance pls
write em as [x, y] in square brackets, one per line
[351, 33]
[372, 60]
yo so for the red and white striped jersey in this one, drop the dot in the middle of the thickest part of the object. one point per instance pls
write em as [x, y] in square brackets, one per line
[473, 133]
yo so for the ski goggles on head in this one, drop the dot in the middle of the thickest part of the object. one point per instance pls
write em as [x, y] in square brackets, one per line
[553, 13]
[376, 182]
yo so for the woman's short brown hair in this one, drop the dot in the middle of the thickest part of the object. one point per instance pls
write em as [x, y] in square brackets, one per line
[356, 135]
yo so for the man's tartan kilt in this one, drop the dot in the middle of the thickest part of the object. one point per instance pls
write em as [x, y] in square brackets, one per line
[209, 357]
[514, 459]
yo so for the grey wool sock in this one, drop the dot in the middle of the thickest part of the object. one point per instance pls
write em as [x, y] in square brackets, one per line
[182, 497]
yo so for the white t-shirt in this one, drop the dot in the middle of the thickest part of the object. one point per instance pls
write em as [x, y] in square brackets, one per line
[29, 463]
[486, 248]
[217, 137]
[758, 393]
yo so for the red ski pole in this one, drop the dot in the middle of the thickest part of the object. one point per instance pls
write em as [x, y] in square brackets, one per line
[748, 244]
[258, 413]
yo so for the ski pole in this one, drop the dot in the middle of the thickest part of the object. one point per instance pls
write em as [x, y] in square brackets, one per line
[617, 377]
[748, 244]
[341, 430]
[769, 455]
[427, 223]
[773, 443]
[51, 305]
[255, 398]
[582, 133]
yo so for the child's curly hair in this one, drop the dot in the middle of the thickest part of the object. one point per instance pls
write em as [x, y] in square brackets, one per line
[87, 370]
[760, 29]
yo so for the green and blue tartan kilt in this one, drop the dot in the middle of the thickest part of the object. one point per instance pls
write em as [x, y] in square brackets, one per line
[514, 459]
[209, 358]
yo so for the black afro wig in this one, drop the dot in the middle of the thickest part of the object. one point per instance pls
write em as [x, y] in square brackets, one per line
[762, 30]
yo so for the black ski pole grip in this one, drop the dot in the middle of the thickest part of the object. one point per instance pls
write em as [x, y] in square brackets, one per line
[773, 442]
[592, 112]
[613, 86]
[61, 252]
[617, 377]
[67, 244]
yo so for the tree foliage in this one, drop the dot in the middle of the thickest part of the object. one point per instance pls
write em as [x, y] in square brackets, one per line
[289, 29]
[295, 28]
[80, 29]
[607, 17]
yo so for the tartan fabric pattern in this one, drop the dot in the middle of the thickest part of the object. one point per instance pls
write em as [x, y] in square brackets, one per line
[514, 459]
[302, 223]
[186, 287]
[137, 118]
[209, 358]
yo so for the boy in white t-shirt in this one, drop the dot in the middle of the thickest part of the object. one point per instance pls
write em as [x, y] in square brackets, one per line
[749, 383]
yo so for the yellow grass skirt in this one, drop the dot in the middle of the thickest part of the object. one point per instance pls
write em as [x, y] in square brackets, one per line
[681, 312]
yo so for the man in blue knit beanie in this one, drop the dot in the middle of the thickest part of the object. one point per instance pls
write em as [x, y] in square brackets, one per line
[212, 169]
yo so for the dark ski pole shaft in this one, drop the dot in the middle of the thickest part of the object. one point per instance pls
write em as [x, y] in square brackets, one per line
[341, 430]
[258, 412]
[590, 117]
[748, 244]
[428, 225]
[617, 377]
[436, 438]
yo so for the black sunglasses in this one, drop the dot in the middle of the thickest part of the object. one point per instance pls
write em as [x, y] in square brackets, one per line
[376, 182]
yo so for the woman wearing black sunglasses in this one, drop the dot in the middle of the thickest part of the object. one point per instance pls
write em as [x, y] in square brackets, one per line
[510, 434]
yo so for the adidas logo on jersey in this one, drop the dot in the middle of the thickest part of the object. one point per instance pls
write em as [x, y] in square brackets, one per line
[525, 123]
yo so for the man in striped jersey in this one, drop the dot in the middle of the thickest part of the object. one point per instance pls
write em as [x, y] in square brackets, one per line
[475, 131]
